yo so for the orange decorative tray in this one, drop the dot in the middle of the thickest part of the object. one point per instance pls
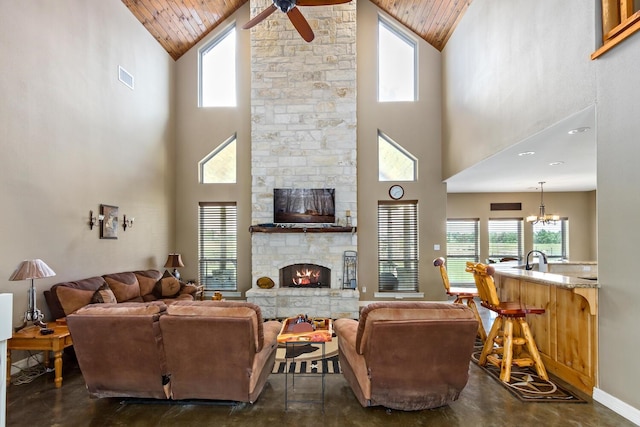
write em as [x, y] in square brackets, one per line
[304, 332]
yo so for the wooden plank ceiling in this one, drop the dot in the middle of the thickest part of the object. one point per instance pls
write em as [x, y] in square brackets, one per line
[179, 24]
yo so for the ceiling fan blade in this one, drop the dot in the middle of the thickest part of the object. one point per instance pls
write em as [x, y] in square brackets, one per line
[260, 17]
[301, 24]
[320, 2]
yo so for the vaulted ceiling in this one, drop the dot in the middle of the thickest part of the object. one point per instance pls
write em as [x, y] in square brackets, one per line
[179, 24]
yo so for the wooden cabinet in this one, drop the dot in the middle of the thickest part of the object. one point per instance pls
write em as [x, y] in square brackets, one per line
[567, 333]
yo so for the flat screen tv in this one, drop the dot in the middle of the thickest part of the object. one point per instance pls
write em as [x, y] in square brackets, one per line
[304, 205]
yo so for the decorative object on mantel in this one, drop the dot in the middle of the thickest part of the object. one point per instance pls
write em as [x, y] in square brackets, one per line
[32, 269]
[127, 222]
[174, 261]
[265, 283]
[542, 217]
[94, 220]
[109, 229]
[297, 19]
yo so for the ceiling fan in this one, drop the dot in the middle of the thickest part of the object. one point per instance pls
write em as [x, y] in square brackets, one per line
[294, 14]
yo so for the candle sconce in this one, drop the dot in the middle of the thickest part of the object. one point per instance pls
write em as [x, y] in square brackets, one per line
[94, 220]
[127, 222]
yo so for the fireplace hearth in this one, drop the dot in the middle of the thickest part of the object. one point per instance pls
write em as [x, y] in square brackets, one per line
[305, 276]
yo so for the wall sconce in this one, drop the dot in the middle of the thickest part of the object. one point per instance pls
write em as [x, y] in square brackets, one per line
[93, 220]
[127, 222]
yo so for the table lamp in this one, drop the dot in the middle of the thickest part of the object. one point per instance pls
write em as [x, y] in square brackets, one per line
[32, 269]
[174, 261]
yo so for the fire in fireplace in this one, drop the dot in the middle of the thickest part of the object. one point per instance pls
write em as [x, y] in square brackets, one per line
[305, 276]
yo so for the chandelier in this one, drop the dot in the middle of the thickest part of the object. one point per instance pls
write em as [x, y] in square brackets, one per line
[542, 216]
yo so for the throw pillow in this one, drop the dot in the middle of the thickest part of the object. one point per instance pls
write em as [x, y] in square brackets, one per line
[146, 284]
[72, 299]
[123, 291]
[167, 287]
[104, 295]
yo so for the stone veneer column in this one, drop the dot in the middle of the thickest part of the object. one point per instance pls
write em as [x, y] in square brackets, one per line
[303, 134]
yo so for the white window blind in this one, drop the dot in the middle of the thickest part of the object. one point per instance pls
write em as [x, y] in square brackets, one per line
[552, 238]
[463, 244]
[505, 238]
[217, 246]
[397, 247]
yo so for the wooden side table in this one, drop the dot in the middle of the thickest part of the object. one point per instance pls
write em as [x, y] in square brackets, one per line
[31, 339]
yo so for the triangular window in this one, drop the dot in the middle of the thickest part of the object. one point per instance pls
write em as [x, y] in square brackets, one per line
[219, 167]
[394, 162]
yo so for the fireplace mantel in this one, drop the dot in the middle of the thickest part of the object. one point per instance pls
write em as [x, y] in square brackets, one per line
[299, 229]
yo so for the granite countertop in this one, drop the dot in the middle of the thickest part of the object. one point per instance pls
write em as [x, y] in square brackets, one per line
[511, 269]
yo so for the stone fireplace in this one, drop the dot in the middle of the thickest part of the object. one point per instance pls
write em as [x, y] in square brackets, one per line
[303, 135]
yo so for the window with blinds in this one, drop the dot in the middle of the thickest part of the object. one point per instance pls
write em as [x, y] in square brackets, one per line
[463, 244]
[218, 246]
[552, 238]
[397, 247]
[505, 238]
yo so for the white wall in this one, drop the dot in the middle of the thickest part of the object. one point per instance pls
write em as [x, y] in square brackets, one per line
[618, 208]
[416, 127]
[577, 206]
[73, 137]
[514, 68]
[199, 132]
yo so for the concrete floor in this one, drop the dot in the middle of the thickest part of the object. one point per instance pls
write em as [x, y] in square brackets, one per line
[482, 403]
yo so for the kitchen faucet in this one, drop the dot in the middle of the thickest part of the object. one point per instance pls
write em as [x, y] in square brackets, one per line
[542, 262]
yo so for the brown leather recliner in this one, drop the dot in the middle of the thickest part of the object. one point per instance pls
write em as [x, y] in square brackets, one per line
[406, 355]
[218, 350]
[120, 350]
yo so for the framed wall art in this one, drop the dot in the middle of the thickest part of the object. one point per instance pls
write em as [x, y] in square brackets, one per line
[109, 226]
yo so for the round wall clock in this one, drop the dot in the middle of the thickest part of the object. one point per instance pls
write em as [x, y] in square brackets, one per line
[396, 192]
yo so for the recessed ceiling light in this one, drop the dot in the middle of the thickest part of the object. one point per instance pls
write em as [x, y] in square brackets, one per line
[527, 153]
[578, 130]
[556, 163]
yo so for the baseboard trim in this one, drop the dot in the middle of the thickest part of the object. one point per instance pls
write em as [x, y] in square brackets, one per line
[25, 363]
[617, 405]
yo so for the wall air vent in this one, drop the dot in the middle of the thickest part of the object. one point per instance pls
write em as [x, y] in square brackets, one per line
[125, 77]
[506, 206]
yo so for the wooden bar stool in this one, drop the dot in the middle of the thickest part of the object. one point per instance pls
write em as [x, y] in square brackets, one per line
[462, 295]
[510, 333]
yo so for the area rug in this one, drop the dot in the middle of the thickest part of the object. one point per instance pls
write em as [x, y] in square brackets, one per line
[527, 386]
[307, 358]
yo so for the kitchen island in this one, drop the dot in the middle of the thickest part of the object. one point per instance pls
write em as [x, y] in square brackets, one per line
[567, 333]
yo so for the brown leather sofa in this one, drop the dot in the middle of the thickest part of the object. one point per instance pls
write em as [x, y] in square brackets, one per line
[134, 286]
[213, 350]
[407, 355]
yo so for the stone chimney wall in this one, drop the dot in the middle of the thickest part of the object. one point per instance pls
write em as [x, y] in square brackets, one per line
[303, 132]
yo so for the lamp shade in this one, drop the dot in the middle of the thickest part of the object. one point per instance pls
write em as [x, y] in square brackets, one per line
[32, 269]
[174, 261]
